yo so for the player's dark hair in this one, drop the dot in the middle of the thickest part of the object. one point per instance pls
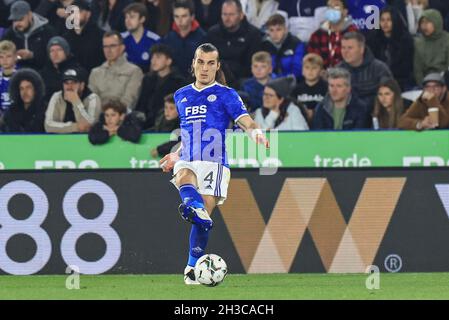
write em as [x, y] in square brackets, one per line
[206, 48]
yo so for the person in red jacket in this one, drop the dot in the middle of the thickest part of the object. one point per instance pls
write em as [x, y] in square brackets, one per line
[326, 41]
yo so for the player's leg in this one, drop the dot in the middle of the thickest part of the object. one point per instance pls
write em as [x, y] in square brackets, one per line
[198, 241]
[192, 207]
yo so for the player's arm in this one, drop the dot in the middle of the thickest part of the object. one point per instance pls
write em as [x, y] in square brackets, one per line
[253, 130]
[168, 162]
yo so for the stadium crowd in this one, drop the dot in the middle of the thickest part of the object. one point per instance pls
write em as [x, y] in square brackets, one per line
[110, 67]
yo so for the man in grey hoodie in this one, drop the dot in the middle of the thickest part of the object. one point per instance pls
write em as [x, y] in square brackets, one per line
[30, 33]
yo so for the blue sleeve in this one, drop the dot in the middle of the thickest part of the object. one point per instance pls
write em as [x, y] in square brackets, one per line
[175, 98]
[297, 60]
[234, 105]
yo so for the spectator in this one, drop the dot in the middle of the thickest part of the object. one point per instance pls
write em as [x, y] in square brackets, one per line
[161, 12]
[305, 16]
[434, 96]
[111, 14]
[168, 121]
[160, 81]
[286, 50]
[55, 12]
[114, 121]
[116, 78]
[236, 40]
[138, 40]
[326, 41]
[30, 33]
[208, 12]
[4, 12]
[86, 42]
[432, 48]
[393, 45]
[8, 67]
[389, 106]
[312, 89]
[261, 68]
[27, 110]
[278, 111]
[75, 108]
[186, 35]
[259, 11]
[414, 10]
[340, 109]
[366, 71]
[60, 60]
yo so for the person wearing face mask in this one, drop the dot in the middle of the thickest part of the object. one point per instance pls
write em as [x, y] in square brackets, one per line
[304, 16]
[326, 41]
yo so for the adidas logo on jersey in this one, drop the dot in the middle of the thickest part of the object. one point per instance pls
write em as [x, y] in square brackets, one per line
[184, 99]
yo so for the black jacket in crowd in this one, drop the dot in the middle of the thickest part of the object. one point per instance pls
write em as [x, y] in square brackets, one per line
[52, 76]
[210, 17]
[87, 47]
[236, 48]
[40, 33]
[397, 51]
[356, 116]
[129, 130]
[48, 9]
[163, 125]
[17, 119]
[366, 77]
[116, 17]
[153, 91]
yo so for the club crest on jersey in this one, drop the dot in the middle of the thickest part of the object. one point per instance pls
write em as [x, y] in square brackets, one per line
[212, 98]
[145, 56]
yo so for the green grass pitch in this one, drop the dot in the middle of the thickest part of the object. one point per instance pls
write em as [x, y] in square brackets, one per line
[235, 287]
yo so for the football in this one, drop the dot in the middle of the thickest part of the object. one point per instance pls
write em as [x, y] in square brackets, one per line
[210, 270]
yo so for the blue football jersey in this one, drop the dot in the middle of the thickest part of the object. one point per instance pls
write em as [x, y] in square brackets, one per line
[204, 116]
[5, 101]
[139, 53]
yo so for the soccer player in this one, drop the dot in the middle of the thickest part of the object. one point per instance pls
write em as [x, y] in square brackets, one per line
[200, 167]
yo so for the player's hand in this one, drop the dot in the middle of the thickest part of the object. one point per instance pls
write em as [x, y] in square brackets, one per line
[261, 139]
[168, 162]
